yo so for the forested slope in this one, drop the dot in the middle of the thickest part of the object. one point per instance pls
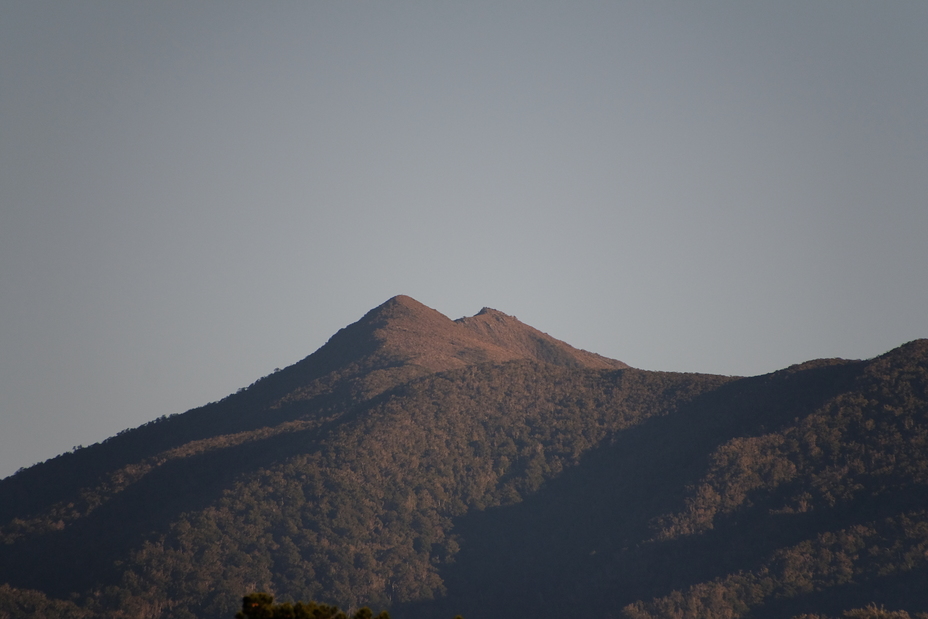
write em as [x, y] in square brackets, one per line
[479, 466]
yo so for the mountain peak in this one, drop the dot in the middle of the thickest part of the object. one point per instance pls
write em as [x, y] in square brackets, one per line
[400, 307]
[518, 338]
[404, 301]
[402, 338]
[409, 332]
[492, 312]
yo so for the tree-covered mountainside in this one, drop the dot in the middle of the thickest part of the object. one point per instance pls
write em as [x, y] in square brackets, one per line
[480, 467]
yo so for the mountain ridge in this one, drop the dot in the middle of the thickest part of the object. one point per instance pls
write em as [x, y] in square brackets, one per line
[407, 331]
[479, 465]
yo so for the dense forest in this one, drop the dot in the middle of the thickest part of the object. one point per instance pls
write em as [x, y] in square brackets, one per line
[480, 467]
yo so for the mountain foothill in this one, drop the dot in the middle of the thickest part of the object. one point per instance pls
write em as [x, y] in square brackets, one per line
[437, 467]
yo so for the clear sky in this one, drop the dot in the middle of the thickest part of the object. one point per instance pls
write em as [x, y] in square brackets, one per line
[192, 194]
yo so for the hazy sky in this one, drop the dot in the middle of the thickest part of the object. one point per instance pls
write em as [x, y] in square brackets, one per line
[192, 194]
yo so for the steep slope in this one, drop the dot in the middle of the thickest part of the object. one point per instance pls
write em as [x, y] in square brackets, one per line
[482, 467]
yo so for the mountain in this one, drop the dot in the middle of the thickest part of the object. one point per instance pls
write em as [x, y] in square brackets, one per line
[479, 466]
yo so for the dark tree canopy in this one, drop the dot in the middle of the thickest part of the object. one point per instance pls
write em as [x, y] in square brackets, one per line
[261, 606]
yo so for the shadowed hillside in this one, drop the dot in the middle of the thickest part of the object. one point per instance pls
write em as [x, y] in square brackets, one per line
[479, 466]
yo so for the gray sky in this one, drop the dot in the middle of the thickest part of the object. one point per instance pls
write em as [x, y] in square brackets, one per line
[192, 194]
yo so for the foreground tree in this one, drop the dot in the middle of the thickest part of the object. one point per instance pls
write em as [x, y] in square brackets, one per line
[261, 605]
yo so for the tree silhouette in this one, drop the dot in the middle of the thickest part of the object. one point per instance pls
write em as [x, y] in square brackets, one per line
[261, 605]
